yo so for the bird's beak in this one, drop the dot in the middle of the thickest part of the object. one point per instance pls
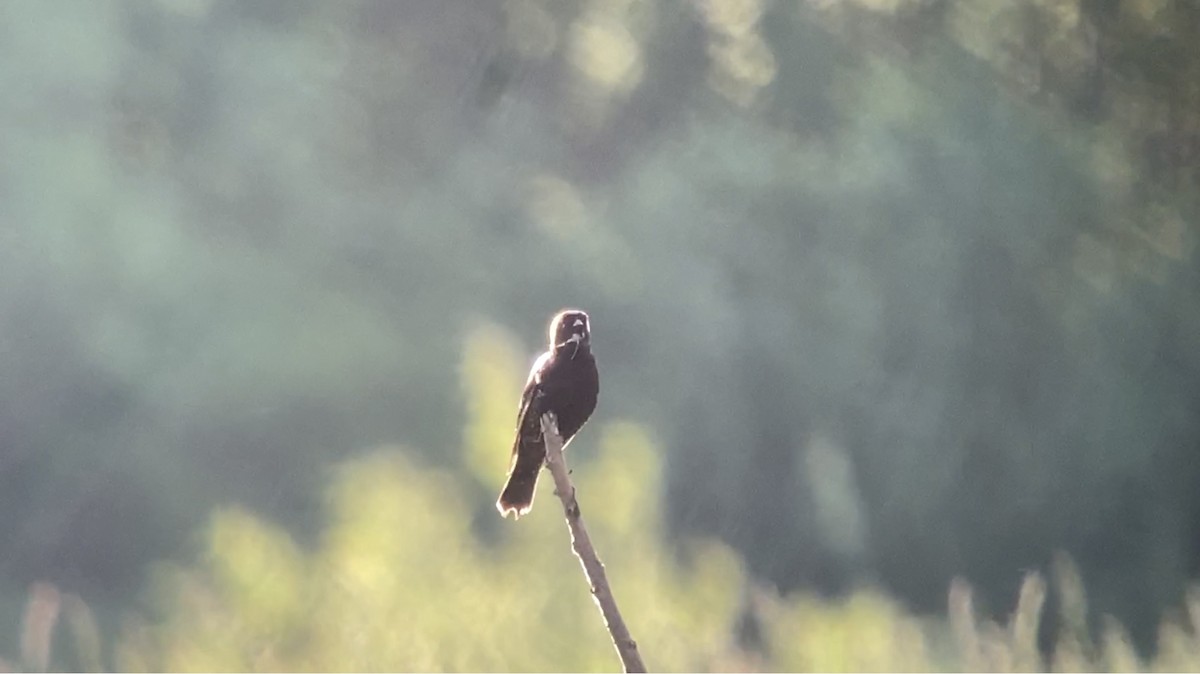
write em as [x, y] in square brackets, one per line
[575, 339]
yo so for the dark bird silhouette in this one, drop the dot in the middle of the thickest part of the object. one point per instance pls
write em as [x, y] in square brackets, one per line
[563, 381]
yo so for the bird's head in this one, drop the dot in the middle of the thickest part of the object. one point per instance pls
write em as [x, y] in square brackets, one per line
[570, 329]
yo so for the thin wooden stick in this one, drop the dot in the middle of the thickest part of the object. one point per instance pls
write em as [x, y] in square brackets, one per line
[582, 545]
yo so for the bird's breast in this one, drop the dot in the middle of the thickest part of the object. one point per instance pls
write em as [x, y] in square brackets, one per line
[570, 387]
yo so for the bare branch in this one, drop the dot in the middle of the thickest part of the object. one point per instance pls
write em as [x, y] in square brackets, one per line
[582, 545]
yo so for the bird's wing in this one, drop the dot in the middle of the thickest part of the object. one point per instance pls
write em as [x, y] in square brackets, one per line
[533, 387]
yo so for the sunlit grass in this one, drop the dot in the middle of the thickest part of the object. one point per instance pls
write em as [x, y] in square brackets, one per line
[399, 580]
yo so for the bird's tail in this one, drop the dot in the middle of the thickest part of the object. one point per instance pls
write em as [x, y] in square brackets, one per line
[517, 496]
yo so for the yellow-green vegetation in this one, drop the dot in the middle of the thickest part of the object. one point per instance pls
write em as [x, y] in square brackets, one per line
[404, 579]
[400, 582]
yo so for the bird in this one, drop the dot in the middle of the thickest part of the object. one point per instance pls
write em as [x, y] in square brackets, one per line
[563, 380]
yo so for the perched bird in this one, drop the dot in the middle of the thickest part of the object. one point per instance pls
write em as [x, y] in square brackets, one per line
[563, 381]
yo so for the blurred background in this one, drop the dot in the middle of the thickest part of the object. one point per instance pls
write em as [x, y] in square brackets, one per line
[896, 306]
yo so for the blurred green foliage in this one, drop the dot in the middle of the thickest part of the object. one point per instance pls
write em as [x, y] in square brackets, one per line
[886, 292]
[398, 579]
[401, 580]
